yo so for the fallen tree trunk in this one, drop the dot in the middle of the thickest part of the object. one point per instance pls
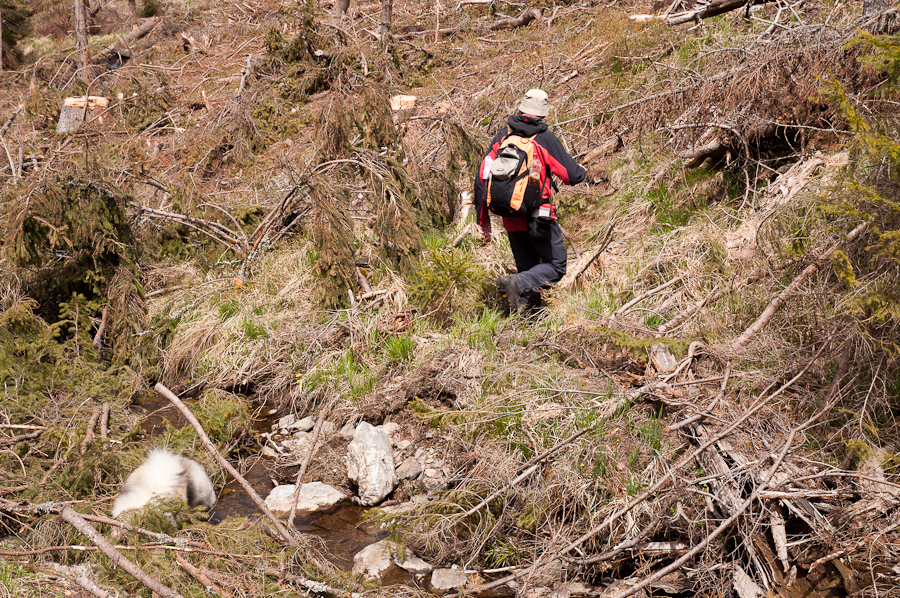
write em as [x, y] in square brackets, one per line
[718, 147]
[135, 34]
[717, 7]
[522, 20]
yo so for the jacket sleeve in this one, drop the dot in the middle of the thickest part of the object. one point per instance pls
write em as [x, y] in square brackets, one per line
[483, 216]
[559, 161]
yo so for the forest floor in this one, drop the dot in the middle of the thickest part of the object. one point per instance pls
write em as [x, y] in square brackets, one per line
[705, 405]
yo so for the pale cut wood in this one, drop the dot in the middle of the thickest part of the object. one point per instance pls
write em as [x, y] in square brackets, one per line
[282, 531]
[68, 514]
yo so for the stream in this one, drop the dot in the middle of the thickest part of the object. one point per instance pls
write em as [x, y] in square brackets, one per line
[340, 528]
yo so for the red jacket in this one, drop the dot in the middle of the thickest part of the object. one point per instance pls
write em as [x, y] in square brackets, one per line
[547, 149]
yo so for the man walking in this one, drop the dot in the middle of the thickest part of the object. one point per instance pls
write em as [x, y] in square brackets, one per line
[535, 238]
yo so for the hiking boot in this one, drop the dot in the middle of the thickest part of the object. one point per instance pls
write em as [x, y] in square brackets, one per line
[509, 292]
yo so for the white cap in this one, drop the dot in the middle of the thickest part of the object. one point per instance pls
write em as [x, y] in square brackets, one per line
[535, 103]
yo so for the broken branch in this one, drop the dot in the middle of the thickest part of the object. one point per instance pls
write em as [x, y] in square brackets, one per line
[68, 514]
[207, 443]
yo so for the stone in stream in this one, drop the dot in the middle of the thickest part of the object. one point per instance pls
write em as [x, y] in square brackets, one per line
[370, 464]
[313, 496]
[374, 560]
[286, 421]
[409, 469]
[413, 564]
[443, 580]
[304, 425]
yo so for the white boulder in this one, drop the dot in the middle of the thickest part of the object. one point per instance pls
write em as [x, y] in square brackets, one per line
[313, 496]
[373, 560]
[370, 464]
[413, 564]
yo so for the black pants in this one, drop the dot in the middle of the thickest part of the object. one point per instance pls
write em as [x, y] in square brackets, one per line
[541, 262]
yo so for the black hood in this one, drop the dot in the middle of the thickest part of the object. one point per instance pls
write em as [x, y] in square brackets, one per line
[525, 125]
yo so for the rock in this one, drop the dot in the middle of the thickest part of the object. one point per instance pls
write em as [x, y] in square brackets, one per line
[409, 469]
[370, 464]
[389, 428]
[268, 451]
[313, 496]
[373, 560]
[304, 425]
[295, 444]
[404, 444]
[443, 580]
[348, 431]
[327, 428]
[286, 421]
[413, 564]
[431, 473]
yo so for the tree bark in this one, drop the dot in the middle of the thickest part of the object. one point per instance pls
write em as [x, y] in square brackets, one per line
[82, 52]
[717, 7]
[132, 7]
[386, 10]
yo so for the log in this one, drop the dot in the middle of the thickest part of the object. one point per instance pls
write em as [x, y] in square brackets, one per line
[522, 20]
[649, 293]
[717, 148]
[135, 34]
[316, 587]
[104, 421]
[529, 15]
[68, 514]
[197, 574]
[283, 532]
[715, 8]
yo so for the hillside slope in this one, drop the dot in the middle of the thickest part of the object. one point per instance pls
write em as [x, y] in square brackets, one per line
[706, 404]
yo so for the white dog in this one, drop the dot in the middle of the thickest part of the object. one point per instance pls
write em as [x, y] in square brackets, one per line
[165, 474]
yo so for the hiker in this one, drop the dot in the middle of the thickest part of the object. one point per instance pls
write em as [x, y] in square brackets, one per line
[520, 192]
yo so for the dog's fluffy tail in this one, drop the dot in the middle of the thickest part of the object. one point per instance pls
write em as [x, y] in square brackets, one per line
[165, 474]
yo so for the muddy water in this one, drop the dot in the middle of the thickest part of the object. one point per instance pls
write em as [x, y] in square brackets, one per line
[340, 528]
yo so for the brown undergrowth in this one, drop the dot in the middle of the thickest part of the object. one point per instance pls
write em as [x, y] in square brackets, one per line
[259, 222]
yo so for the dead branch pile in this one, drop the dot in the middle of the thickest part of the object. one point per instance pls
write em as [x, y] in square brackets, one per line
[743, 500]
[736, 101]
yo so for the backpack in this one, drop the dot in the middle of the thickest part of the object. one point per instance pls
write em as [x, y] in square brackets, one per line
[508, 190]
